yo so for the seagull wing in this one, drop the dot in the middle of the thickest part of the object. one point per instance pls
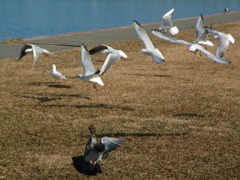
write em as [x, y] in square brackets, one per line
[37, 51]
[142, 35]
[167, 18]
[212, 31]
[86, 61]
[111, 59]
[200, 31]
[212, 57]
[23, 51]
[223, 42]
[169, 38]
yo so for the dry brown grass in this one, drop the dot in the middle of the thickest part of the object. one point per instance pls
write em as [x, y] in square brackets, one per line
[11, 41]
[180, 118]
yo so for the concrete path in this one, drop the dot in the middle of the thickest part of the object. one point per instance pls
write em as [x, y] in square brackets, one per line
[105, 36]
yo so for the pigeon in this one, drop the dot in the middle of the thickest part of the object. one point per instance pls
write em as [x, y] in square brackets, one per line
[56, 74]
[193, 47]
[90, 73]
[37, 51]
[149, 47]
[113, 56]
[168, 25]
[201, 33]
[223, 39]
[98, 151]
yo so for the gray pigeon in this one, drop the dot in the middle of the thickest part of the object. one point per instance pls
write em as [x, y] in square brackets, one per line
[98, 151]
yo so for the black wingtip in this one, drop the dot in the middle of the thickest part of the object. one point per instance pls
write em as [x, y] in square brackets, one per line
[97, 49]
[97, 72]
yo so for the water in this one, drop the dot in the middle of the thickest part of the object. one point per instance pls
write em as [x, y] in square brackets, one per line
[33, 18]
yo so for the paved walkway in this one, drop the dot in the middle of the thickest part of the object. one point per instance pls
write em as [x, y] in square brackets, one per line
[105, 36]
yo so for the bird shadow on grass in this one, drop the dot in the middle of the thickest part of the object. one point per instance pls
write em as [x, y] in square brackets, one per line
[44, 98]
[190, 115]
[97, 106]
[140, 134]
[155, 75]
[84, 167]
[50, 84]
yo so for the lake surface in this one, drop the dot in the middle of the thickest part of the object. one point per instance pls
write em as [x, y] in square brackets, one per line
[33, 18]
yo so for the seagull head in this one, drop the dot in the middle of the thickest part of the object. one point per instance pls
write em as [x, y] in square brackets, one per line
[174, 30]
[54, 66]
[193, 48]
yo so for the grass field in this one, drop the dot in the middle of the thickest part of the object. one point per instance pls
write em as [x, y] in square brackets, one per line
[180, 119]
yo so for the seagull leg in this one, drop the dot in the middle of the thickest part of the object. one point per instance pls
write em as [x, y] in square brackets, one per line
[94, 86]
[46, 55]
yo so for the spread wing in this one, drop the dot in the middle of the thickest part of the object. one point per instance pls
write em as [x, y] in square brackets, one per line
[111, 143]
[111, 59]
[212, 57]
[167, 18]
[142, 35]
[23, 51]
[169, 38]
[200, 31]
[86, 61]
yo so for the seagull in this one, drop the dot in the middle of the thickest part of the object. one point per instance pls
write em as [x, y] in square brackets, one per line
[98, 151]
[193, 47]
[37, 51]
[223, 39]
[113, 56]
[168, 25]
[201, 33]
[150, 49]
[90, 74]
[56, 74]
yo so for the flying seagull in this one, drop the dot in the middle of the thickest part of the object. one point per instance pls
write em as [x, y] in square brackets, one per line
[201, 33]
[56, 74]
[90, 74]
[37, 51]
[98, 151]
[168, 25]
[193, 47]
[113, 56]
[223, 43]
[149, 47]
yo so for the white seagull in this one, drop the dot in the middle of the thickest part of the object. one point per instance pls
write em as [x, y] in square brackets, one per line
[98, 151]
[201, 33]
[149, 47]
[90, 74]
[193, 47]
[113, 56]
[223, 39]
[56, 74]
[168, 25]
[37, 51]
